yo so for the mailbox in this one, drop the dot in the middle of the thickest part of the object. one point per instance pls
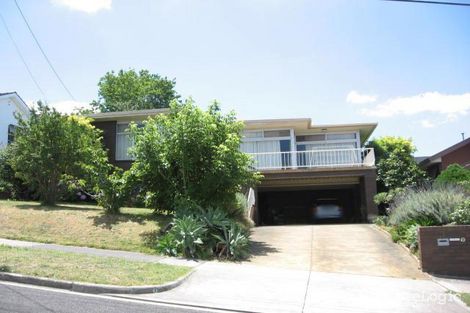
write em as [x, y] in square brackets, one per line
[443, 242]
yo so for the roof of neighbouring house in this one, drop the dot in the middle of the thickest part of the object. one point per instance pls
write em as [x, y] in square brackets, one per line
[19, 102]
[419, 159]
[436, 158]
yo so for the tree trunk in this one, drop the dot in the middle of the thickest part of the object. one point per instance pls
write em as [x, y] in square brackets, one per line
[49, 193]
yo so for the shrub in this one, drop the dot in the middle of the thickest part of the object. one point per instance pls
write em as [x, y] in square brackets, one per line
[191, 154]
[461, 214]
[11, 187]
[396, 167]
[52, 149]
[381, 220]
[454, 173]
[396, 236]
[410, 238]
[204, 233]
[426, 206]
[386, 198]
[112, 191]
[398, 231]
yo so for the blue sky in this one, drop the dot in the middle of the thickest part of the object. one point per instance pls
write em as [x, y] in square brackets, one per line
[405, 66]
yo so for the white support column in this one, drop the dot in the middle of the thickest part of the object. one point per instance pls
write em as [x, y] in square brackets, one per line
[293, 149]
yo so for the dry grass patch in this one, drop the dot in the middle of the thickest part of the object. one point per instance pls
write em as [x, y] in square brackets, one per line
[81, 225]
[85, 268]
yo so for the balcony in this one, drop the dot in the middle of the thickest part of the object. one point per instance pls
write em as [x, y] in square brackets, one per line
[331, 158]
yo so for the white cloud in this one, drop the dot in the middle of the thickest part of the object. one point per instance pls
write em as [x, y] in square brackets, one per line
[357, 98]
[87, 6]
[427, 124]
[66, 106]
[450, 106]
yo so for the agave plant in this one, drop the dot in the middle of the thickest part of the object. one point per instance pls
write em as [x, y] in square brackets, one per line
[168, 245]
[189, 233]
[234, 243]
[215, 218]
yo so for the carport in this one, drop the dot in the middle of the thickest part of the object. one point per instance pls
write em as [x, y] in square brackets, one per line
[294, 206]
[289, 197]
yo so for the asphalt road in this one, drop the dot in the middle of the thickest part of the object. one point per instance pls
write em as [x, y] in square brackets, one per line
[16, 298]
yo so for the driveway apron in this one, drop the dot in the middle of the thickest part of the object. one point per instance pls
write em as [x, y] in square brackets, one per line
[355, 268]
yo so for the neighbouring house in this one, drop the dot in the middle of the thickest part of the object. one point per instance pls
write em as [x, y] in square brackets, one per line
[303, 164]
[10, 103]
[456, 154]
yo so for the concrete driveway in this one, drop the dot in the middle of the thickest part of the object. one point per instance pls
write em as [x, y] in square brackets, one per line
[320, 268]
[340, 248]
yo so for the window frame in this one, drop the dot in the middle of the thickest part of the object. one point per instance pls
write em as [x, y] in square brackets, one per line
[11, 133]
[122, 133]
[356, 140]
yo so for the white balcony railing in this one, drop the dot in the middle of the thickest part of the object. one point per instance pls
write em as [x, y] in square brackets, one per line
[314, 158]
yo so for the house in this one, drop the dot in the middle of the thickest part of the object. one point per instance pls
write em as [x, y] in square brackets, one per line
[10, 103]
[303, 164]
[458, 154]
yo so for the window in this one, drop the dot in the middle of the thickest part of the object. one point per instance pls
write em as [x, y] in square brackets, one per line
[269, 147]
[320, 137]
[123, 142]
[346, 136]
[276, 133]
[266, 133]
[252, 134]
[11, 133]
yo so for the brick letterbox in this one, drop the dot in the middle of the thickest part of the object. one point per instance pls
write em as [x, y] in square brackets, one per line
[445, 250]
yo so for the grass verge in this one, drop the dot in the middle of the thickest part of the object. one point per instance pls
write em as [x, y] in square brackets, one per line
[85, 268]
[465, 297]
[81, 225]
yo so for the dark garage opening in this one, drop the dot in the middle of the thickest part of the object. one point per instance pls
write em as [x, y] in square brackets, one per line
[281, 207]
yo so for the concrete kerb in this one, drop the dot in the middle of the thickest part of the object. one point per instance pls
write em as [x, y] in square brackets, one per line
[89, 287]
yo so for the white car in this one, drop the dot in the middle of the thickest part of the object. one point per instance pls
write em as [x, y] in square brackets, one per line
[327, 211]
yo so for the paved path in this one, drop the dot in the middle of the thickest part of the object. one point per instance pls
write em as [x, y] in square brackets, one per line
[133, 256]
[344, 248]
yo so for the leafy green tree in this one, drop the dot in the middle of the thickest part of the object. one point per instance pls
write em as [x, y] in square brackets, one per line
[52, 150]
[131, 90]
[396, 167]
[455, 174]
[191, 155]
[11, 187]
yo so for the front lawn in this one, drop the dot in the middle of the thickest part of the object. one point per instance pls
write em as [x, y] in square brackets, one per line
[81, 225]
[85, 268]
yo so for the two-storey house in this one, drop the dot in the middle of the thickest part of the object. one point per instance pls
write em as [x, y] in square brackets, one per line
[303, 165]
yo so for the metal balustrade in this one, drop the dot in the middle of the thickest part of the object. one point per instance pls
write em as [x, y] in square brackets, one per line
[314, 159]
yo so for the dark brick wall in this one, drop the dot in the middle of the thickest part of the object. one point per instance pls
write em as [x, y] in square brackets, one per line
[109, 142]
[452, 260]
[460, 156]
